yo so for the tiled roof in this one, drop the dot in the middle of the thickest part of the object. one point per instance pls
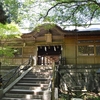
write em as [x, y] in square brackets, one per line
[82, 33]
[56, 30]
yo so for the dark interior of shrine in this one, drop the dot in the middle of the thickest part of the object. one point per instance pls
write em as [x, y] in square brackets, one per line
[48, 54]
[49, 50]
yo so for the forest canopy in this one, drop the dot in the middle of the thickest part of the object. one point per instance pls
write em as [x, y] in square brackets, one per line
[61, 12]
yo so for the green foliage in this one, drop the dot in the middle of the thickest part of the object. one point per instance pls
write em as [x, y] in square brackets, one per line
[93, 98]
[3, 16]
[11, 8]
[7, 32]
[6, 52]
[62, 12]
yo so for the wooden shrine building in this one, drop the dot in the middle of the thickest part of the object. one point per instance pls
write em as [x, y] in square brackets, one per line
[48, 43]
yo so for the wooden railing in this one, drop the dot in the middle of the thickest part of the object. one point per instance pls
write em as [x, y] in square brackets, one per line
[15, 73]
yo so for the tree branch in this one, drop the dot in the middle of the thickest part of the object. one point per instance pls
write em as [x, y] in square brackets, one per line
[81, 3]
[93, 15]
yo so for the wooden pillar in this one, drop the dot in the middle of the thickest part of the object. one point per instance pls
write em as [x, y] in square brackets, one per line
[43, 60]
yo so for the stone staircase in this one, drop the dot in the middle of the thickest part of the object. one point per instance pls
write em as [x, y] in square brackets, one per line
[31, 86]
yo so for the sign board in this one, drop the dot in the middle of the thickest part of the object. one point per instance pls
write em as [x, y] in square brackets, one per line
[48, 37]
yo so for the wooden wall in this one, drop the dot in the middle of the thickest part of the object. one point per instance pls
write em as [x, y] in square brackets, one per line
[71, 49]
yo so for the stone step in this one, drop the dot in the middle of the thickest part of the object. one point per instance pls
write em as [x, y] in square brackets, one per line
[35, 79]
[37, 75]
[17, 95]
[34, 82]
[30, 74]
[38, 72]
[27, 81]
[23, 91]
[31, 84]
[6, 98]
[31, 87]
[28, 84]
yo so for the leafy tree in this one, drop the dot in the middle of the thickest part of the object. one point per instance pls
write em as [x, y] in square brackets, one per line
[8, 11]
[7, 32]
[74, 12]
[62, 12]
[3, 16]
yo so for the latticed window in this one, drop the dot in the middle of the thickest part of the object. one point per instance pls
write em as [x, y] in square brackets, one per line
[98, 50]
[85, 41]
[86, 50]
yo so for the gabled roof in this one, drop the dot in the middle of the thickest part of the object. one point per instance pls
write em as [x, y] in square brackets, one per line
[45, 29]
[55, 30]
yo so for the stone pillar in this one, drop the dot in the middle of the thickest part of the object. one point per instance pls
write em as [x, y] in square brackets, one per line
[47, 95]
[56, 94]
